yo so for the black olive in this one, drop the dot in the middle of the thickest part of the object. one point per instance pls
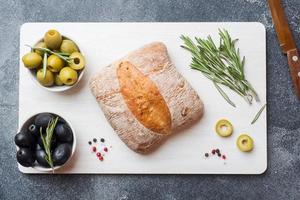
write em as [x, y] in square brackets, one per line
[38, 147]
[61, 154]
[63, 133]
[40, 158]
[25, 157]
[61, 120]
[42, 120]
[26, 140]
[34, 130]
[53, 142]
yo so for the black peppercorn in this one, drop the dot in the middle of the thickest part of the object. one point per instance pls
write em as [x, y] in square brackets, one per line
[217, 151]
[94, 140]
[102, 140]
[90, 143]
[206, 154]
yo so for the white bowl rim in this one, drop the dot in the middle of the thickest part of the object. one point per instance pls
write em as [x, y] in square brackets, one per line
[44, 169]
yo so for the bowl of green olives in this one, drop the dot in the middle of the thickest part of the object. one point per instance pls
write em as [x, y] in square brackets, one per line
[45, 142]
[55, 62]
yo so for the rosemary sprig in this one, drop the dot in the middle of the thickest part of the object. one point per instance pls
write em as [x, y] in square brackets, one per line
[223, 65]
[47, 140]
[258, 114]
[61, 55]
[45, 65]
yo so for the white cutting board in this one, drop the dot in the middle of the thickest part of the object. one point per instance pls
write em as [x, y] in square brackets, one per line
[183, 153]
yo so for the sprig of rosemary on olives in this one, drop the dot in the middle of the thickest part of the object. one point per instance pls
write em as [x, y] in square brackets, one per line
[47, 139]
[63, 56]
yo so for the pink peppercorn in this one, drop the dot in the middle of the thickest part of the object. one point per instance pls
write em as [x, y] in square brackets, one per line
[98, 154]
[105, 149]
[94, 149]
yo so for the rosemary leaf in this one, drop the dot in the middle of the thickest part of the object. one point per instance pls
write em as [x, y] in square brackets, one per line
[258, 114]
[45, 65]
[224, 95]
[63, 54]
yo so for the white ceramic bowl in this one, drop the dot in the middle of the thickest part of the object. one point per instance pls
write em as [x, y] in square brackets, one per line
[55, 88]
[36, 165]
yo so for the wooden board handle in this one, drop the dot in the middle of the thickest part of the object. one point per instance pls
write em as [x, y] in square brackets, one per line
[294, 64]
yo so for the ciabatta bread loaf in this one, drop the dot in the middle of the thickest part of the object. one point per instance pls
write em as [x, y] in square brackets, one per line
[144, 98]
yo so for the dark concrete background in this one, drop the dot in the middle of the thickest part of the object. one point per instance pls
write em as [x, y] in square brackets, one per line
[280, 181]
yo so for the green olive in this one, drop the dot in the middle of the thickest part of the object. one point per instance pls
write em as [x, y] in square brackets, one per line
[53, 39]
[32, 60]
[245, 143]
[78, 61]
[40, 45]
[57, 80]
[55, 63]
[68, 76]
[48, 80]
[224, 128]
[68, 46]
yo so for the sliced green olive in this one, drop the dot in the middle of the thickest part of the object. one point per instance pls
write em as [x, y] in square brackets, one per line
[245, 143]
[78, 61]
[224, 128]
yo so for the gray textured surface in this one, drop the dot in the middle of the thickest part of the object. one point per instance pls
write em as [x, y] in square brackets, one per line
[281, 180]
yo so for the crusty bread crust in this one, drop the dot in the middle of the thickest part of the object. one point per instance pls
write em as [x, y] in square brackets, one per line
[143, 99]
[152, 61]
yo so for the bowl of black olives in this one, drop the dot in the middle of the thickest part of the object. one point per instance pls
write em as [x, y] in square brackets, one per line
[46, 141]
[55, 62]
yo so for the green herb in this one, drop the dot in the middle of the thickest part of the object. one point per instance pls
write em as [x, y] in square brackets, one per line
[47, 139]
[63, 56]
[224, 94]
[223, 65]
[258, 114]
[45, 65]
